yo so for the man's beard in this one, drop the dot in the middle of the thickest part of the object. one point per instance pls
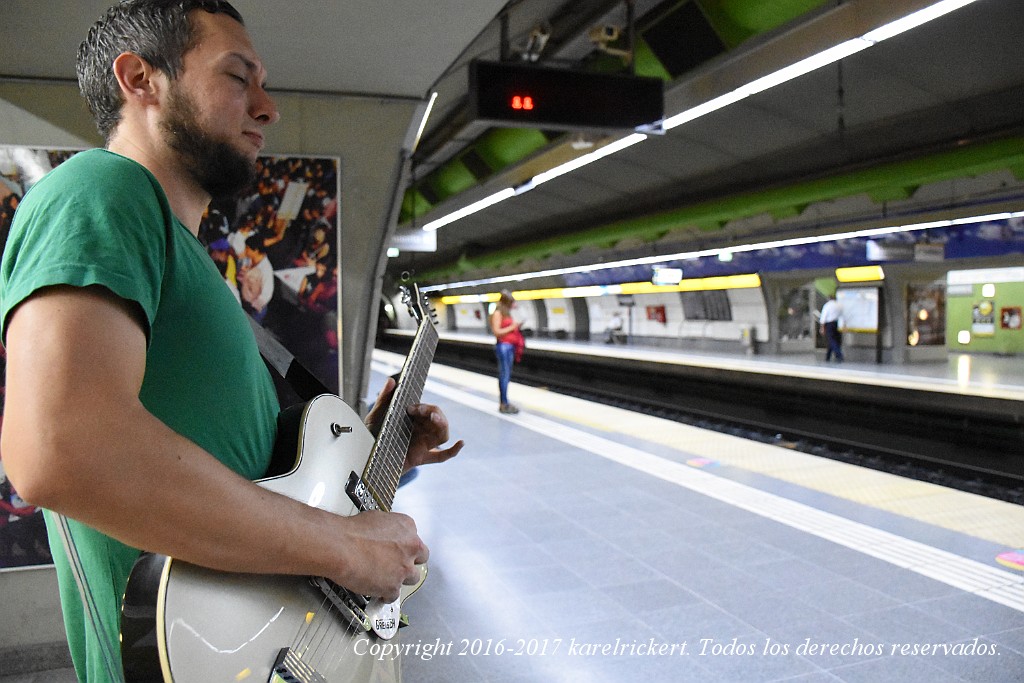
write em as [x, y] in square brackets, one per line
[218, 168]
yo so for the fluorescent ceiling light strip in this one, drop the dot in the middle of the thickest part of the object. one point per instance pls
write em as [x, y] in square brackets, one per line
[702, 109]
[804, 66]
[796, 241]
[817, 61]
[471, 209]
[423, 121]
[551, 174]
[582, 161]
[787, 73]
[915, 19]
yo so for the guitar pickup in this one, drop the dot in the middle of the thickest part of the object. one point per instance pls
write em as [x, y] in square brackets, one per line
[359, 493]
[289, 668]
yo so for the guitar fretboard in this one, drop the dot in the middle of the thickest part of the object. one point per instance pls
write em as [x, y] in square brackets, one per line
[384, 467]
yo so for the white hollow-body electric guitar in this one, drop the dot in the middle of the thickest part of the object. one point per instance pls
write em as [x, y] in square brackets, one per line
[183, 624]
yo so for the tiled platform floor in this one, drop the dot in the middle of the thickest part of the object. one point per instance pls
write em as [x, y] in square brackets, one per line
[605, 532]
[575, 542]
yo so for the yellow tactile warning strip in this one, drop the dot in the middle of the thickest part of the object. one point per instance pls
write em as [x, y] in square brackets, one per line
[978, 578]
[978, 516]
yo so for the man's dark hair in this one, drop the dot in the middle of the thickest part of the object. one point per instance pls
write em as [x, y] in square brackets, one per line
[159, 31]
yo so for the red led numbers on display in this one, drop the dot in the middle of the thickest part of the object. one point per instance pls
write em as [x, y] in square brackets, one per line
[522, 102]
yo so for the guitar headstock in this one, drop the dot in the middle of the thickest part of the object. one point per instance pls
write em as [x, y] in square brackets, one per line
[418, 305]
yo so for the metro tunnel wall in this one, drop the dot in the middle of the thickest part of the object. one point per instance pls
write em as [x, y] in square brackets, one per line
[918, 321]
[657, 320]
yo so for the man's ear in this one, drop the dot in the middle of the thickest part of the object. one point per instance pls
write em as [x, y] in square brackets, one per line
[138, 80]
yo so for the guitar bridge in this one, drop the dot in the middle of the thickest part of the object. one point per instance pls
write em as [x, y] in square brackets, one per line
[351, 606]
[289, 668]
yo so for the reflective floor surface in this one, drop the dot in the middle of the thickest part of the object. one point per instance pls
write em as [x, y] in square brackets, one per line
[577, 542]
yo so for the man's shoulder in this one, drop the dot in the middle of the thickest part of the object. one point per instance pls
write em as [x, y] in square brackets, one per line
[91, 170]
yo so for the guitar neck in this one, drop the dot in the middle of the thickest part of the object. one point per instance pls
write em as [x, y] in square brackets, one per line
[386, 462]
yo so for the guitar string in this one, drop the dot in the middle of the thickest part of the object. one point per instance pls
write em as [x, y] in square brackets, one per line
[411, 387]
[325, 637]
[414, 383]
[306, 629]
[395, 440]
[328, 647]
[318, 635]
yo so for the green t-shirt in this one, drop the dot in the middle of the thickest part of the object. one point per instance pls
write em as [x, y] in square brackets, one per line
[103, 219]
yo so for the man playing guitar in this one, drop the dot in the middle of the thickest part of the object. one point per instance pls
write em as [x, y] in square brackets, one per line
[138, 404]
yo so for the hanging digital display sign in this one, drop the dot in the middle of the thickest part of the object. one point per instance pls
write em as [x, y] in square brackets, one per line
[527, 95]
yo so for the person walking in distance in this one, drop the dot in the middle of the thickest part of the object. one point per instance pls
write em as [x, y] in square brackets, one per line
[831, 313]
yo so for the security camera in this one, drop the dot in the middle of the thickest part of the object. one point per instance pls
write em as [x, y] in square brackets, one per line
[540, 34]
[603, 34]
[538, 39]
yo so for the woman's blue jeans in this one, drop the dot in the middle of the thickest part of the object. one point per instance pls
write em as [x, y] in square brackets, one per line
[506, 355]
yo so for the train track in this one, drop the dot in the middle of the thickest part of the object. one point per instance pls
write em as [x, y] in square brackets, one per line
[966, 442]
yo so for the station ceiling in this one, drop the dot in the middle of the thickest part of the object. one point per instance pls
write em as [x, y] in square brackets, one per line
[938, 103]
[854, 141]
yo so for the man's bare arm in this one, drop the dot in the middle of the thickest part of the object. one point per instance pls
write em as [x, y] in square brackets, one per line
[78, 440]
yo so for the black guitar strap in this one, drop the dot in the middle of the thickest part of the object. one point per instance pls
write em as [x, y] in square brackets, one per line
[286, 368]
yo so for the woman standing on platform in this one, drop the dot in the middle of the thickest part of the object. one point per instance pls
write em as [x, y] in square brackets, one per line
[509, 346]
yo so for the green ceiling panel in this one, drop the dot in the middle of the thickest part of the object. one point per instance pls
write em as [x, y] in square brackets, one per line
[413, 203]
[497, 148]
[712, 225]
[780, 212]
[738, 20]
[451, 179]
[500, 147]
[646, 64]
[892, 194]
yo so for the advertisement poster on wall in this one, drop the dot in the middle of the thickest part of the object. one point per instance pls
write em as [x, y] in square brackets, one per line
[1009, 318]
[656, 314]
[860, 308]
[983, 319]
[276, 243]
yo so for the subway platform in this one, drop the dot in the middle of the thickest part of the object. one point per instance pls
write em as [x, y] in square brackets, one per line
[580, 542]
